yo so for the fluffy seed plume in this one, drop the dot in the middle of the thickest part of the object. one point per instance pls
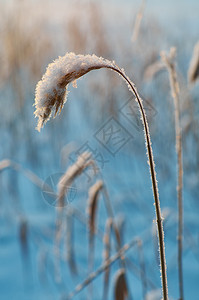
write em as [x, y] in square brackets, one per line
[193, 73]
[51, 91]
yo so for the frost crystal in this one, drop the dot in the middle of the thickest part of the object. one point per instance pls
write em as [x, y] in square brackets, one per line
[51, 91]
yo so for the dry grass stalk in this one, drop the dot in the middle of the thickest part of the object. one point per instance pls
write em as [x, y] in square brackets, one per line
[106, 254]
[30, 175]
[51, 95]
[92, 204]
[101, 269]
[120, 291]
[120, 227]
[6, 163]
[92, 212]
[193, 72]
[153, 69]
[80, 217]
[169, 62]
[138, 20]
[83, 161]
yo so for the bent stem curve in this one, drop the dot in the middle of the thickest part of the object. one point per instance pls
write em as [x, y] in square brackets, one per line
[154, 184]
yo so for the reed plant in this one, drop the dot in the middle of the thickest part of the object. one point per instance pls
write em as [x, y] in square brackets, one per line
[51, 94]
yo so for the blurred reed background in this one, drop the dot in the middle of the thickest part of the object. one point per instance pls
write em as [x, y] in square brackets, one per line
[133, 33]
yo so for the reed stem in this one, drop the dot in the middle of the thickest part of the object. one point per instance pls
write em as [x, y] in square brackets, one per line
[175, 94]
[154, 184]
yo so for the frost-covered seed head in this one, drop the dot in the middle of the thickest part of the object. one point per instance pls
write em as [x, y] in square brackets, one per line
[51, 91]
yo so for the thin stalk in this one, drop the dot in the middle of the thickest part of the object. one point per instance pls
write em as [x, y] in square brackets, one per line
[154, 184]
[175, 94]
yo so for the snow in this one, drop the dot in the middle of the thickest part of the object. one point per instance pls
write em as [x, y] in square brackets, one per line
[51, 91]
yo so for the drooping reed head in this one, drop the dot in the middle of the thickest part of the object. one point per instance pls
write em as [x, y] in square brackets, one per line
[92, 204]
[169, 61]
[83, 161]
[51, 90]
